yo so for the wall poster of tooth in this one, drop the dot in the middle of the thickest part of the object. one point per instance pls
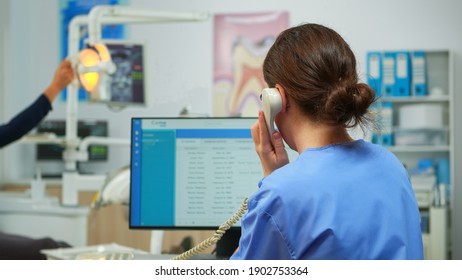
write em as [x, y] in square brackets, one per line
[241, 42]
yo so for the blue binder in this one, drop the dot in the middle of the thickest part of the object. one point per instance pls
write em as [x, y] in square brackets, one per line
[374, 72]
[388, 67]
[375, 133]
[419, 73]
[386, 123]
[384, 112]
[402, 74]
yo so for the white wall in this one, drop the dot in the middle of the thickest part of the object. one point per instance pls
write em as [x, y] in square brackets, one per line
[181, 56]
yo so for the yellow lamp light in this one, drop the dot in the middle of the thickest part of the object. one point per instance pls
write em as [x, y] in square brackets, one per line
[103, 52]
[93, 70]
[89, 78]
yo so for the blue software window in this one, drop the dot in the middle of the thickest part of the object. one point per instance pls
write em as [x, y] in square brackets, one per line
[190, 173]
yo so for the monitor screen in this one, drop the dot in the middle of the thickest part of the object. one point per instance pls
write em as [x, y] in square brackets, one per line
[190, 173]
[126, 86]
[84, 129]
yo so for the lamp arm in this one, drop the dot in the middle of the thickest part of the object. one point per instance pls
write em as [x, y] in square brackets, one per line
[120, 14]
[94, 22]
[95, 140]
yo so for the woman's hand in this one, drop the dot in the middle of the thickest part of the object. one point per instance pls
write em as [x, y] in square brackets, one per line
[63, 76]
[272, 156]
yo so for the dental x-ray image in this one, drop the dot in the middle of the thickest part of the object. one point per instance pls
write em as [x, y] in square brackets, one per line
[127, 82]
[121, 80]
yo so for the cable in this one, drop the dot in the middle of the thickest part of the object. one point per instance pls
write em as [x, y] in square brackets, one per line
[216, 236]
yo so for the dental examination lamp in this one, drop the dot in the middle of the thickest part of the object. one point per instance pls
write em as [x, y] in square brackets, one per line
[93, 66]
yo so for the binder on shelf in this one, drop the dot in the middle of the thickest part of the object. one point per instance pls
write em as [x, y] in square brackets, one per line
[375, 132]
[384, 113]
[387, 123]
[419, 73]
[402, 74]
[374, 72]
[388, 64]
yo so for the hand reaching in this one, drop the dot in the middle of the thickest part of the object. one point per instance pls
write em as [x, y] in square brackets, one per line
[64, 75]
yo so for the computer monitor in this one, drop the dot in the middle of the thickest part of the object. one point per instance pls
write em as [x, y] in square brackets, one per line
[53, 152]
[190, 173]
[126, 86]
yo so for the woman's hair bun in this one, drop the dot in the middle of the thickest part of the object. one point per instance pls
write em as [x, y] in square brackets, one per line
[348, 105]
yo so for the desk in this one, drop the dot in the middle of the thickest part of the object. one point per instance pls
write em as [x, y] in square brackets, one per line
[112, 252]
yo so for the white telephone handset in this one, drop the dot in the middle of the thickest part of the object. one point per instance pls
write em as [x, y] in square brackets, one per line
[272, 105]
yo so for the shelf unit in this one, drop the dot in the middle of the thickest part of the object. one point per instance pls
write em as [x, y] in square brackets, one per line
[440, 79]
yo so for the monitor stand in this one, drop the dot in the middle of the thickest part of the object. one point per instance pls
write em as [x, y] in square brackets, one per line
[229, 242]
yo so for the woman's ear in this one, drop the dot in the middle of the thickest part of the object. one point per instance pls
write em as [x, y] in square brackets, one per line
[284, 99]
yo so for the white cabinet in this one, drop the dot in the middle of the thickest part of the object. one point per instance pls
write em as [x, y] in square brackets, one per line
[419, 129]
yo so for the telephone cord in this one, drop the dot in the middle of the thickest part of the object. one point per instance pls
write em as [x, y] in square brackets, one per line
[216, 236]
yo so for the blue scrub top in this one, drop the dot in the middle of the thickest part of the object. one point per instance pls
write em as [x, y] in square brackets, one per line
[344, 201]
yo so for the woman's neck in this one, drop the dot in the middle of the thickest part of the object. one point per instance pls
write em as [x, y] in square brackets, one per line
[304, 133]
[311, 135]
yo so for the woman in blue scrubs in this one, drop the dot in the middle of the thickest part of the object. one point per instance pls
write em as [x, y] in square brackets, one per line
[342, 198]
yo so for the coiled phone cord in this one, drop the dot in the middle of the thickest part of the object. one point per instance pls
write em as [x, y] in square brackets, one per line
[216, 236]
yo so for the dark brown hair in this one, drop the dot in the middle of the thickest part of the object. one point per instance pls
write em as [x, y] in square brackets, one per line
[317, 68]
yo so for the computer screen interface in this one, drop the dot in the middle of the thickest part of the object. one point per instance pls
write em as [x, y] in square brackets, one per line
[190, 173]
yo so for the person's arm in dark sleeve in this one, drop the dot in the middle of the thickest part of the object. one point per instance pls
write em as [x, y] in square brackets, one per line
[25, 121]
[30, 117]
